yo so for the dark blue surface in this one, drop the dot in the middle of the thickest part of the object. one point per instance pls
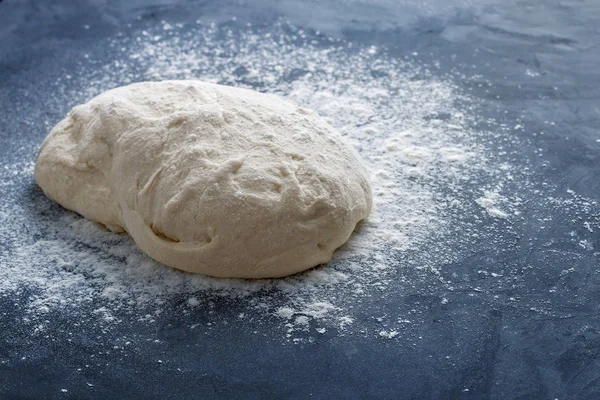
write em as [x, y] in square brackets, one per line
[491, 349]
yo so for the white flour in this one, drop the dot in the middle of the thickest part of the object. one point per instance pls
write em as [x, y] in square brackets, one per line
[415, 130]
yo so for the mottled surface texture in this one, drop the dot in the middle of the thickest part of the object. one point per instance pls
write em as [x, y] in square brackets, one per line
[517, 317]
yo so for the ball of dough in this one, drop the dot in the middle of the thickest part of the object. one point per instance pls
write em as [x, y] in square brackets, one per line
[207, 178]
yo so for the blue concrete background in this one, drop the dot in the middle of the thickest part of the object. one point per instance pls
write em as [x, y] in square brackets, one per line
[499, 351]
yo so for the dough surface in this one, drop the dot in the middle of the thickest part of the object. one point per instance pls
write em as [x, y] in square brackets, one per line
[207, 178]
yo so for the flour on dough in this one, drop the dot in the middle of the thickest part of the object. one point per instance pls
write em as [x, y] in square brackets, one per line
[207, 178]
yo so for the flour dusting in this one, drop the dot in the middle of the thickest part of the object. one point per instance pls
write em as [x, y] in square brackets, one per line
[430, 156]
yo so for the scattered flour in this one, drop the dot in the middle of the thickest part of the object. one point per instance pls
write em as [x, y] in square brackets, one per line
[488, 201]
[388, 335]
[419, 134]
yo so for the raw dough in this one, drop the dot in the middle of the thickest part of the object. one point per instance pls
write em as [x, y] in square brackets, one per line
[207, 178]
